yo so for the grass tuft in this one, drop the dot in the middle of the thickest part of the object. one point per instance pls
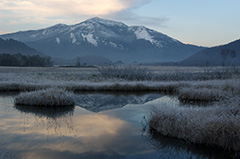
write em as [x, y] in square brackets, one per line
[47, 97]
[201, 94]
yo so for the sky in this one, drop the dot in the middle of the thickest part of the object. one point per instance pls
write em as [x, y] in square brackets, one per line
[199, 22]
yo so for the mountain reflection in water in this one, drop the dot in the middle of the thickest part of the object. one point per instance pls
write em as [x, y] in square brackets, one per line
[97, 102]
[49, 112]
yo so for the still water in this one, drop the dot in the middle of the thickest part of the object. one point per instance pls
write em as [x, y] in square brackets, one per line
[100, 126]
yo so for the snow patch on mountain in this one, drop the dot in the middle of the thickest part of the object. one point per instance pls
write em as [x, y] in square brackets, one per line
[90, 39]
[73, 37]
[44, 32]
[87, 26]
[106, 22]
[58, 40]
[33, 35]
[142, 33]
[114, 45]
[82, 26]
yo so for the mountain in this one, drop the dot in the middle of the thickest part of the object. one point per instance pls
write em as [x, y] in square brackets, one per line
[228, 54]
[11, 46]
[110, 39]
[101, 102]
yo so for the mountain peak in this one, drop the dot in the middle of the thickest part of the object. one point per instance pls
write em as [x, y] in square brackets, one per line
[105, 21]
[60, 25]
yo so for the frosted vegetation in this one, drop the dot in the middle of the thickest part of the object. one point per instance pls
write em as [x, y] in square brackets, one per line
[48, 97]
[5, 154]
[143, 73]
[201, 94]
[217, 125]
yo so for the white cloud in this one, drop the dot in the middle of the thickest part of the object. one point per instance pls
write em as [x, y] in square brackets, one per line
[63, 8]
[131, 18]
[18, 15]
[2, 32]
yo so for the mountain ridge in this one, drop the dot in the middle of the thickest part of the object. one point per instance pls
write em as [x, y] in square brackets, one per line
[110, 39]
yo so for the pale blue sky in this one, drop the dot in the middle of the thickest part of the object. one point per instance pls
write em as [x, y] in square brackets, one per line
[199, 22]
[202, 22]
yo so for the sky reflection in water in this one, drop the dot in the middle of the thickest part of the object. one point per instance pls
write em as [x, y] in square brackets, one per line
[94, 131]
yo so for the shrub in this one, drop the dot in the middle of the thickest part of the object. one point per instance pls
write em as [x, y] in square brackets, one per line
[48, 97]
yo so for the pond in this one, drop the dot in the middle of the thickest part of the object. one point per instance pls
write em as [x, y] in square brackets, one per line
[100, 126]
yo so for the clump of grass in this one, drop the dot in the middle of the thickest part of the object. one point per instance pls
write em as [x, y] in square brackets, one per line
[214, 126]
[47, 97]
[200, 94]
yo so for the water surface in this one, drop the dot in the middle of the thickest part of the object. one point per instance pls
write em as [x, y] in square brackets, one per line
[99, 126]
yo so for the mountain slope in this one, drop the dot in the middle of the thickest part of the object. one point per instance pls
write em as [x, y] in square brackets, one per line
[215, 57]
[110, 39]
[11, 46]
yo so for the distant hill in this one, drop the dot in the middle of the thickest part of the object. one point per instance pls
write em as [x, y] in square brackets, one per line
[11, 46]
[228, 54]
[109, 39]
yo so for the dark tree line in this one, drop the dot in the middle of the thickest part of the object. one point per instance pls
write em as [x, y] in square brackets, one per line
[24, 60]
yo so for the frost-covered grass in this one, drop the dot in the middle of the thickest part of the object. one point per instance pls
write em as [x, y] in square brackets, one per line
[5, 154]
[48, 97]
[125, 72]
[218, 125]
[229, 86]
[201, 94]
[142, 73]
[93, 86]
[40, 76]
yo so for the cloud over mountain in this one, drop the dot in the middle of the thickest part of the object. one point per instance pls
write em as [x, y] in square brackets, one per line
[18, 15]
[64, 8]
